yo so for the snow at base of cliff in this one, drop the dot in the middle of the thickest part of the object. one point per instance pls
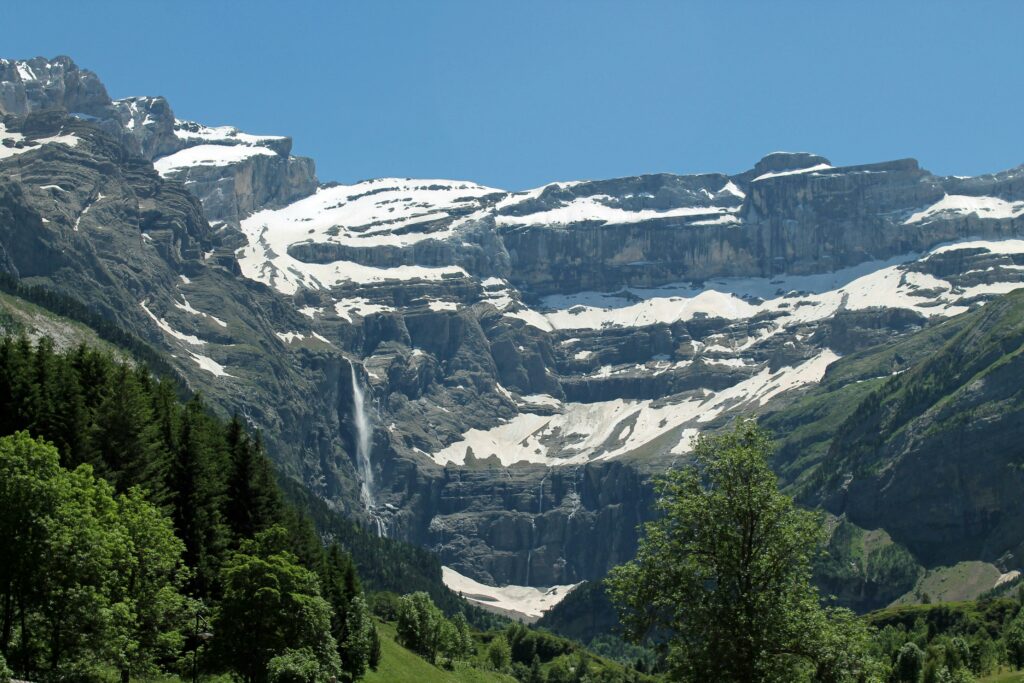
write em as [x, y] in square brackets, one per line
[525, 600]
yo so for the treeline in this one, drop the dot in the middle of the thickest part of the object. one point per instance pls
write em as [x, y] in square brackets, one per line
[950, 642]
[107, 330]
[143, 535]
[529, 655]
[386, 565]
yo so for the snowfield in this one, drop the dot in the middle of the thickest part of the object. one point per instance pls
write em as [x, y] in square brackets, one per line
[591, 209]
[527, 601]
[582, 432]
[384, 212]
[207, 155]
[70, 140]
[799, 299]
[962, 205]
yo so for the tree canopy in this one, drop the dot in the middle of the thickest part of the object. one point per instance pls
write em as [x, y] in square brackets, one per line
[724, 575]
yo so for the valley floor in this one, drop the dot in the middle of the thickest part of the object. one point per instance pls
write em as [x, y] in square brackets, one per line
[399, 664]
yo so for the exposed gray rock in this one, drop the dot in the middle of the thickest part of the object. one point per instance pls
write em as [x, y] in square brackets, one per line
[439, 356]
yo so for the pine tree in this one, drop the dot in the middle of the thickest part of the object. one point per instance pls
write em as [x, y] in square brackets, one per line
[254, 501]
[198, 493]
[126, 437]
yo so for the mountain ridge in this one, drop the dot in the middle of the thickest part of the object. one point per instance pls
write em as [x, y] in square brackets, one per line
[532, 357]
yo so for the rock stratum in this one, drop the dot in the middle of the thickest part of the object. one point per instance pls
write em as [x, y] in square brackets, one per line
[529, 359]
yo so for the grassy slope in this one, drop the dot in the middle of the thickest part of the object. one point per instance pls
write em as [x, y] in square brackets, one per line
[962, 581]
[1005, 677]
[18, 316]
[399, 664]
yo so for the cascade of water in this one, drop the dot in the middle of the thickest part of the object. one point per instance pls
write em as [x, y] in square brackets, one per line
[533, 525]
[364, 443]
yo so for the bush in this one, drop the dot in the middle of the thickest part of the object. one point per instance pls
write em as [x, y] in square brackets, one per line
[385, 605]
[499, 654]
[294, 666]
[5, 673]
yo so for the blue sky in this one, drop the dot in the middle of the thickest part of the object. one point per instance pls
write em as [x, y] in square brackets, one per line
[516, 94]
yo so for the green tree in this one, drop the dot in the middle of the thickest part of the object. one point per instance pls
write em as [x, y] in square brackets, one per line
[499, 654]
[155, 613]
[536, 674]
[727, 569]
[1013, 637]
[28, 499]
[462, 645]
[560, 671]
[126, 438]
[196, 479]
[351, 622]
[909, 663]
[295, 666]
[102, 588]
[844, 649]
[375, 652]
[253, 499]
[359, 634]
[420, 625]
[271, 605]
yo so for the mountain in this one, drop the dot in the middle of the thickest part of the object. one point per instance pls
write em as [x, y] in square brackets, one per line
[929, 445]
[527, 359]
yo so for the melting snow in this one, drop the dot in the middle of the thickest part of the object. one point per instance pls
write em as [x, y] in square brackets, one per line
[526, 600]
[731, 188]
[443, 305]
[584, 209]
[187, 307]
[223, 134]
[210, 365]
[798, 298]
[346, 308]
[165, 326]
[289, 337]
[207, 155]
[608, 429]
[70, 139]
[963, 205]
[811, 169]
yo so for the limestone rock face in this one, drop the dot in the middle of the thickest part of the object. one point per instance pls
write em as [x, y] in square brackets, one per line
[42, 84]
[148, 125]
[529, 359]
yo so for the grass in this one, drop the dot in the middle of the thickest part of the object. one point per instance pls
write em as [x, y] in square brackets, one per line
[1004, 677]
[18, 316]
[399, 664]
[962, 581]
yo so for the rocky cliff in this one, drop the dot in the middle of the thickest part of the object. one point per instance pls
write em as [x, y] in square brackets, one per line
[529, 358]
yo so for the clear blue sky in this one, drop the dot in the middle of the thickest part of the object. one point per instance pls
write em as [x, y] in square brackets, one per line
[515, 94]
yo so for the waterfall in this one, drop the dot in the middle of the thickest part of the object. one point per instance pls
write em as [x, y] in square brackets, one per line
[364, 443]
[533, 525]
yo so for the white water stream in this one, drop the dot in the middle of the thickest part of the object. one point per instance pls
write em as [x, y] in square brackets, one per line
[364, 444]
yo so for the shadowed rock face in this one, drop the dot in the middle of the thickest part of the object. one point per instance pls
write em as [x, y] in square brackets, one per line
[530, 358]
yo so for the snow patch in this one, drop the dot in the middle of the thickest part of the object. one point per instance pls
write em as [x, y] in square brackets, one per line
[582, 432]
[585, 209]
[779, 174]
[70, 140]
[165, 326]
[184, 305]
[528, 601]
[210, 365]
[207, 155]
[963, 205]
